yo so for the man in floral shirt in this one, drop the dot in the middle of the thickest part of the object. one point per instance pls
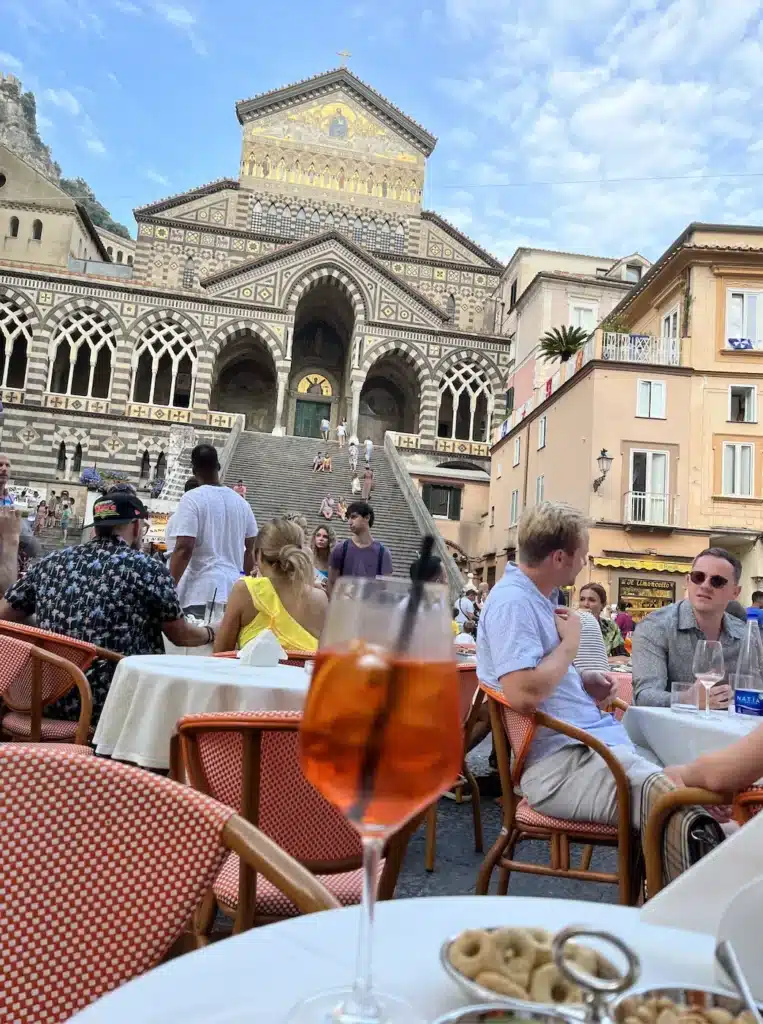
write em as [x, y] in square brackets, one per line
[106, 592]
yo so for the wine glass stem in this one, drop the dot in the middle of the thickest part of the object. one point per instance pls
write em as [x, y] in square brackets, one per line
[362, 1003]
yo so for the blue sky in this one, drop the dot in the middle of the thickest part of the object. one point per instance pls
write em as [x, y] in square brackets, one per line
[538, 104]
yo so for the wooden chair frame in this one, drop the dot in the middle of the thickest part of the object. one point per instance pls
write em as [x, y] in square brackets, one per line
[745, 805]
[186, 761]
[502, 852]
[430, 849]
[40, 656]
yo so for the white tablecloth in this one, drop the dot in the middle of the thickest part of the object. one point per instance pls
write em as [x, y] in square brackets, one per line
[677, 737]
[261, 974]
[149, 693]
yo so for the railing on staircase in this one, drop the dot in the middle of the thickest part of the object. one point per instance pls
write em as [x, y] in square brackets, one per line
[238, 424]
[422, 515]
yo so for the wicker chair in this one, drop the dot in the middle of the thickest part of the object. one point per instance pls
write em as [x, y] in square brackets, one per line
[514, 732]
[32, 677]
[105, 865]
[250, 760]
[469, 687]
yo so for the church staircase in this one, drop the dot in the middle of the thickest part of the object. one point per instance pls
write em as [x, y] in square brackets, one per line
[278, 477]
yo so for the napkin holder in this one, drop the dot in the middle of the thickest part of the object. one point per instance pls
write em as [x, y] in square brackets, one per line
[264, 651]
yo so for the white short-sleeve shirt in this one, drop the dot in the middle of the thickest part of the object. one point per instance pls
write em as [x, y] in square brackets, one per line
[221, 521]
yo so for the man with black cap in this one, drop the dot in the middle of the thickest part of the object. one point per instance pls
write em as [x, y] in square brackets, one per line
[214, 530]
[106, 592]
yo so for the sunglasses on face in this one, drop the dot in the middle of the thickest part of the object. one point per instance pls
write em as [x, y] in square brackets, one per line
[716, 582]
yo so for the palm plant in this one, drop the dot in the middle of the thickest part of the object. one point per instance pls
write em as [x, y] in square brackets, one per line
[562, 343]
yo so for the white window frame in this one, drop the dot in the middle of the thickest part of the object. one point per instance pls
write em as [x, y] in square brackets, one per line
[671, 323]
[540, 488]
[654, 504]
[650, 414]
[748, 332]
[514, 513]
[517, 451]
[542, 431]
[583, 304]
[747, 387]
[633, 266]
[737, 446]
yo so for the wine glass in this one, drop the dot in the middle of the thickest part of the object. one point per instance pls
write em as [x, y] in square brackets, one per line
[381, 738]
[708, 667]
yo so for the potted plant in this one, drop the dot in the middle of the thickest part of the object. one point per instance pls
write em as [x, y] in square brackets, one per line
[91, 478]
[562, 343]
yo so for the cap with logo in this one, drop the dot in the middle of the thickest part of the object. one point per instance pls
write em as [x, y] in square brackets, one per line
[118, 509]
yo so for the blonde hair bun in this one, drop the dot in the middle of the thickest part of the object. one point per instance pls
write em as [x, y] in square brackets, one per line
[280, 545]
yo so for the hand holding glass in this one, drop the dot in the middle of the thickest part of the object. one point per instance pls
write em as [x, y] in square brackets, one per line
[708, 667]
[381, 739]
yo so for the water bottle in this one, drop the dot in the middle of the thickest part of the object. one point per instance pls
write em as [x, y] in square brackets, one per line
[747, 698]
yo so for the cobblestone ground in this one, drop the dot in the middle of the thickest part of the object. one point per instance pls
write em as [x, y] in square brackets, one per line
[457, 864]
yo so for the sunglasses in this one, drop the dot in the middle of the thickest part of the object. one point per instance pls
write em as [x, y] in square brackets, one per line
[698, 578]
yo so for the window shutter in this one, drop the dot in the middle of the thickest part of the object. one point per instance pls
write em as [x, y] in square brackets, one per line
[454, 511]
[426, 494]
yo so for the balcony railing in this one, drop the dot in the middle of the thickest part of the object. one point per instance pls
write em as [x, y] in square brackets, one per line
[641, 348]
[649, 508]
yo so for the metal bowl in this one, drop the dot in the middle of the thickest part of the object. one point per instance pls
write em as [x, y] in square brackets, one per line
[522, 1013]
[709, 998]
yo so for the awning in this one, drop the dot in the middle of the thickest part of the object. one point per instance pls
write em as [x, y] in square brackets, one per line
[645, 564]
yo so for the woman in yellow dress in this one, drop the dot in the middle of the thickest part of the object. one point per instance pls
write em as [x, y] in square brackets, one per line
[282, 598]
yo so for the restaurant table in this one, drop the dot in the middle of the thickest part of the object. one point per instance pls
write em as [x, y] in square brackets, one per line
[150, 692]
[676, 737]
[257, 977]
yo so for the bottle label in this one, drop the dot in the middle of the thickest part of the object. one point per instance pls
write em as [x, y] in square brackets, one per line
[749, 702]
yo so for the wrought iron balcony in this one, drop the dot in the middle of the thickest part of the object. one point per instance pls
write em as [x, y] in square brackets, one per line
[641, 348]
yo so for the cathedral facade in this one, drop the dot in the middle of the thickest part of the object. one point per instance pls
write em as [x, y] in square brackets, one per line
[311, 286]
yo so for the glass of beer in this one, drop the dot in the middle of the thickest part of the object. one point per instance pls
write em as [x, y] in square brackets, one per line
[381, 739]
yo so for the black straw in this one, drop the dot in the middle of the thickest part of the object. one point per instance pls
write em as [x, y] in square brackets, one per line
[372, 754]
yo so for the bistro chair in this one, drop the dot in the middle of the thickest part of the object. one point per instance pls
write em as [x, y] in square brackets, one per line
[105, 865]
[744, 805]
[31, 678]
[80, 652]
[250, 760]
[471, 701]
[513, 732]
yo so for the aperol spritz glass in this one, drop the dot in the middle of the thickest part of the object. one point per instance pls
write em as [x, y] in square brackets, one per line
[381, 739]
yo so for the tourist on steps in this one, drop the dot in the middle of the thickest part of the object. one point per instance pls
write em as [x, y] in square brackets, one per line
[318, 462]
[360, 554]
[369, 447]
[353, 453]
[327, 507]
[325, 428]
[283, 598]
[355, 484]
[368, 483]
[322, 542]
[215, 531]
[341, 433]
[240, 488]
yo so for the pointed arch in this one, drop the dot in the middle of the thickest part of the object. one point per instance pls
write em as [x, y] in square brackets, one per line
[465, 402]
[384, 237]
[315, 223]
[160, 471]
[189, 273]
[82, 350]
[145, 465]
[77, 458]
[287, 228]
[305, 281]
[61, 458]
[13, 227]
[357, 231]
[301, 224]
[164, 365]
[16, 332]
[271, 219]
[257, 216]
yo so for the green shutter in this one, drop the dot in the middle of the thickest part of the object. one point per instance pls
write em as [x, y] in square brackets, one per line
[426, 494]
[455, 503]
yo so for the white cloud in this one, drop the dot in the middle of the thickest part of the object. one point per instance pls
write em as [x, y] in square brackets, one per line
[566, 100]
[126, 7]
[184, 21]
[95, 146]
[10, 63]
[158, 178]
[64, 99]
[44, 123]
[113, 79]
[461, 137]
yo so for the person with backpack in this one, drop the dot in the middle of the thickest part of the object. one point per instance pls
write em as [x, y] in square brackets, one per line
[360, 554]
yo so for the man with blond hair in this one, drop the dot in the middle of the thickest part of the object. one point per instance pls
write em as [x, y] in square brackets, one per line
[526, 647]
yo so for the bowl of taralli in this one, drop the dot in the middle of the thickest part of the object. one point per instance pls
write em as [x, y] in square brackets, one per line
[517, 965]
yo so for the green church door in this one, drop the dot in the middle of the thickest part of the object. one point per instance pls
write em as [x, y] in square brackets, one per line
[308, 416]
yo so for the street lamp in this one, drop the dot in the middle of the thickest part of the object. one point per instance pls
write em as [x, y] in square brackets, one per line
[604, 463]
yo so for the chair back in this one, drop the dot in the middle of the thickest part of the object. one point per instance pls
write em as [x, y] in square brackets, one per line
[105, 864]
[625, 687]
[519, 730]
[250, 760]
[54, 678]
[468, 685]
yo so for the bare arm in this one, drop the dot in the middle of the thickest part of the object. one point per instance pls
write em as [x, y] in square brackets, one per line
[249, 554]
[529, 687]
[181, 556]
[333, 577]
[729, 770]
[181, 633]
[233, 620]
[11, 614]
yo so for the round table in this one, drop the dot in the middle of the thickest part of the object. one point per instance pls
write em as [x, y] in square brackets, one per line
[150, 692]
[263, 972]
[677, 737]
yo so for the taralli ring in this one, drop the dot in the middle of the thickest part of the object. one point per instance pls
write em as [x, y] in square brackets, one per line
[548, 986]
[473, 953]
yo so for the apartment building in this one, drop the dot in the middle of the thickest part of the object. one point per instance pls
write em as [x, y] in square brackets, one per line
[652, 431]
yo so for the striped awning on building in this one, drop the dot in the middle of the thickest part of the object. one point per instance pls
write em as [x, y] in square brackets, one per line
[644, 564]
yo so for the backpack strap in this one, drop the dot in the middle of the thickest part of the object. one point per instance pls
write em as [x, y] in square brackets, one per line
[381, 559]
[345, 546]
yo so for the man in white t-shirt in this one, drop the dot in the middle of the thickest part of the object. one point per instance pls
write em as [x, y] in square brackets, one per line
[465, 605]
[214, 531]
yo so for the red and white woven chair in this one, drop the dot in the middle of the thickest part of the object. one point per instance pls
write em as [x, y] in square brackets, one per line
[102, 867]
[250, 760]
[513, 732]
[80, 652]
[32, 677]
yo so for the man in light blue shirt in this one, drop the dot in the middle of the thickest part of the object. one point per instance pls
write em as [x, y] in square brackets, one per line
[526, 646]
